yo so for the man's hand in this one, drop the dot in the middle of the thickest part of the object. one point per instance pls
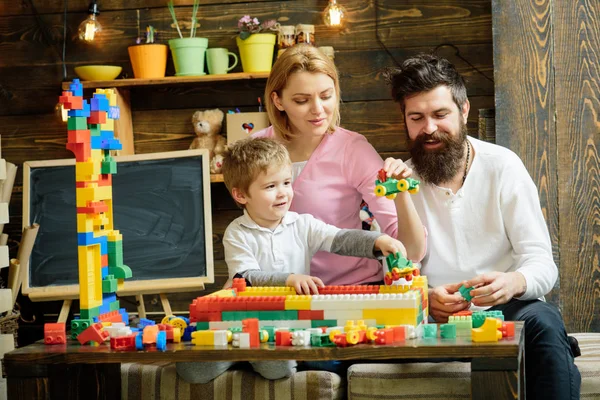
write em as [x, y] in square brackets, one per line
[446, 300]
[396, 168]
[304, 284]
[496, 288]
[388, 245]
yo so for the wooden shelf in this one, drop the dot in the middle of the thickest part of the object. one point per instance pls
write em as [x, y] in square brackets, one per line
[216, 177]
[169, 80]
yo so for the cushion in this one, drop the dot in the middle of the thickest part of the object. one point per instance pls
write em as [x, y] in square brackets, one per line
[589, 364]
[452, 380]
[448, 380]
[160, 381]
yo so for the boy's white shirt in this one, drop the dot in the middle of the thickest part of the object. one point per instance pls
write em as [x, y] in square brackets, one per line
[288, 248]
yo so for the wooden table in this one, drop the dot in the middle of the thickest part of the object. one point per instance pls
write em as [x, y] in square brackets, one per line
[72, 371]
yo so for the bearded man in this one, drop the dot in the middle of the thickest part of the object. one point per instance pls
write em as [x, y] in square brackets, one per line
[486, 228]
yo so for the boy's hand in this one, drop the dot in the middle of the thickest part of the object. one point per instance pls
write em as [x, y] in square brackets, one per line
[396, 168]
[304, 284]
[388, 245]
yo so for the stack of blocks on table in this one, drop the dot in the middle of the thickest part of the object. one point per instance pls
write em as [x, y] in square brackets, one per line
[339, 315]
[275, 308]
[100, 249]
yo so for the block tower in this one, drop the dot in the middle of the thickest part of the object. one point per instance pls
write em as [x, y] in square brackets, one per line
[100, 247]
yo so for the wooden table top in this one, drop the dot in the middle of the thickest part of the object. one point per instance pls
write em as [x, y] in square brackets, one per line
[460, 348]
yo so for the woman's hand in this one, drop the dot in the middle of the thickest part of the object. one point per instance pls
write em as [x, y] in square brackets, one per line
[304, 284]
[396, 168]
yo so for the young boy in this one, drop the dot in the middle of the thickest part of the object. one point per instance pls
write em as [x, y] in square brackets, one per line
[271, 246]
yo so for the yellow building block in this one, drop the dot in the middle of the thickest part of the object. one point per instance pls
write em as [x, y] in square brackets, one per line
[109, 125]
[110, 95]
[203, 338]
[268, 291]
[113, 235]
[85, 223]
[488, 332]
[298, 302]
[393, 316]
[92, 193]
[394, 289]
[87, 171]
[90, 280]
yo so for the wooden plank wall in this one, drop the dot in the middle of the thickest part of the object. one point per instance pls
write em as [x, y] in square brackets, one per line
[31, 73]
[547, 107]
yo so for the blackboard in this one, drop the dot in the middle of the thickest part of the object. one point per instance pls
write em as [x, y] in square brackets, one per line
[161, 206]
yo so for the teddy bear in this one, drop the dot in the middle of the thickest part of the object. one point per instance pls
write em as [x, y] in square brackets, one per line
[207, 125]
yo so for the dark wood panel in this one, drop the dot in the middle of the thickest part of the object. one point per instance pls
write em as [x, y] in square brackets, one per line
[576, 53]
[525, 98]
[38, 39]
[23, 7]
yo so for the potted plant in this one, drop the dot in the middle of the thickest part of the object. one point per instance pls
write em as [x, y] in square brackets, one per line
[188, 52]
[256, 47]
[148, 60]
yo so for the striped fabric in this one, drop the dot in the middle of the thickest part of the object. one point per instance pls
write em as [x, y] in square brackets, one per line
[589, 364]
[160, 381]
[452, 380]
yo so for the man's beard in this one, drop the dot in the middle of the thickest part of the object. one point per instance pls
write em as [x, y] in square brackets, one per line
[439, 165]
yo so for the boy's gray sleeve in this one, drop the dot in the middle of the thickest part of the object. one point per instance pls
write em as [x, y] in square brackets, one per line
[261, 278]
[356, 243]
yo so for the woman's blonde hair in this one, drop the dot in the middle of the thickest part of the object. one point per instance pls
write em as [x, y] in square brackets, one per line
[300, 58]
[246, 159]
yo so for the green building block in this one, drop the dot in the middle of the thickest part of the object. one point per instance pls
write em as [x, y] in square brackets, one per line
[77, 124]
[430, 330]
[109, 284]
[465, 293]
[448, 331]
[202, 326]
[115, 305]
[480, 316]
[321, 340]
[271, 332]
[323, 322]
[79, 325]
[89, 313]
[108, 167]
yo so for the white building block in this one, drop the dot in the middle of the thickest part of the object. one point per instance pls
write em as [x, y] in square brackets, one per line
[300, 338]
[221, 338]
[4, 261]
[4, 213]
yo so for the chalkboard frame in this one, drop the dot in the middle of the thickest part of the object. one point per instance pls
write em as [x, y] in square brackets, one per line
[130, 288]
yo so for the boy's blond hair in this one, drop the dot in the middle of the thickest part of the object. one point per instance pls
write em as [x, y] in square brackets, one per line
[248, 158]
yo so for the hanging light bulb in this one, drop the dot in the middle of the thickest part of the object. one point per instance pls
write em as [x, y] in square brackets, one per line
[334, 15]
[90, 26]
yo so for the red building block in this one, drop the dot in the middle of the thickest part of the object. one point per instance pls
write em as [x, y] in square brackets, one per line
[399, 333]
[123, 342]
[250, 325]
[283, 338]
[239, 284]
[111, 316]
[94, 333]
[55, 333]
[508, 329]
[384, 336]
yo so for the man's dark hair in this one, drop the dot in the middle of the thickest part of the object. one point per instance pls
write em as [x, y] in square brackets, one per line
[423, 73]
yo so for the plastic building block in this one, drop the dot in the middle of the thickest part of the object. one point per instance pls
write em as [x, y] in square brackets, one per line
[283, 338]
[94, 333]
[144, 322]
[389, 187]
[123, 342]
[448, 331]
[489, 331]
[429, 331]
[508, 329]
[241, 340]
[465, 292]
[55, 333]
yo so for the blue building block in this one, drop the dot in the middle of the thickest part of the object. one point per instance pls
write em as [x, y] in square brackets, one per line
[145, 322]
[84, 112]
[114, 112]
[99, 103]
[76, 88]
[125, 315]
